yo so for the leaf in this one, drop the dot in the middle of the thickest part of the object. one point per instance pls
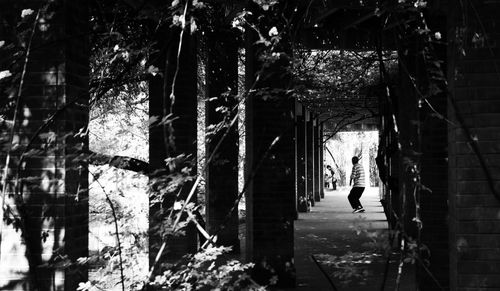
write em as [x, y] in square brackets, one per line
[84, 286]
[5, 74]
[153, 119]
[193, 26]
[273, 31]
[425, 188]
[434, 89]
[49, 137]
[153, 70]
[26, 12]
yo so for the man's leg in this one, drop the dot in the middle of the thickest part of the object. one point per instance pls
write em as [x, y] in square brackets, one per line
[359, 192]
[352, 198]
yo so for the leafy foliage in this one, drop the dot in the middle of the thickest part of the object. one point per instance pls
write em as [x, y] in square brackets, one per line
[202, 271]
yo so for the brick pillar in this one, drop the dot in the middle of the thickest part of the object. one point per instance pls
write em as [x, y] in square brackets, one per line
[169, 141]
[222, 172]
[52, 185]
[424, 145]
[317, 172]
[474, 211]
[307, 184]
[157, 141]
[301, 158]
[434, 146]
[388, 160]
[310, 156]
[271, 198]
[409, 126]
[321, 161]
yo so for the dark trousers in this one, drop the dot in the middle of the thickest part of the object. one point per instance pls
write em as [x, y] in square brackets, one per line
[354, 196]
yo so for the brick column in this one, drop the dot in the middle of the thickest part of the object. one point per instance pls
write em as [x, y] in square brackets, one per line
[424, 145]
[310, 157]
[307, 170]
[434, 146]
[387, 161]
[169, 141]
[52, 198]
[157, 141]
[301, 158]
[409, 126]
[321, 161]
[474, 211]
[271, 196]
[317, 172]
[222, 172]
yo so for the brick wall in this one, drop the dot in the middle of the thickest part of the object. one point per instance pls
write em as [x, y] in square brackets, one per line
[53, 185]
[474, 85]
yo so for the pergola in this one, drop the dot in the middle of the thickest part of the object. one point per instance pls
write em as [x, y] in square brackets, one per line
[283, 138]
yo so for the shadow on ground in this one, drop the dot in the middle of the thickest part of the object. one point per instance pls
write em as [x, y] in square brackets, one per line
[335, 246]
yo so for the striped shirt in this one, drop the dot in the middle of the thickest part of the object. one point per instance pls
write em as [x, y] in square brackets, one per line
[358, 175]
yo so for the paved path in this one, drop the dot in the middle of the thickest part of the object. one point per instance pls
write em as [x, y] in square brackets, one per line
[332, 233]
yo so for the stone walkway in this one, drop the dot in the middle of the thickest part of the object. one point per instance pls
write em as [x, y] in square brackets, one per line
[345, 246]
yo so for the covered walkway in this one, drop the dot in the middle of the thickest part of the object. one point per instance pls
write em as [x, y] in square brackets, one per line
[346, 246]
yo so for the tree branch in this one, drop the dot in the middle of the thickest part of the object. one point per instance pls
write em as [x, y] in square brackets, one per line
[119, 162]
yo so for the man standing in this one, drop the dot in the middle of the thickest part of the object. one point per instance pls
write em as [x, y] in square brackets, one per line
[358, 177]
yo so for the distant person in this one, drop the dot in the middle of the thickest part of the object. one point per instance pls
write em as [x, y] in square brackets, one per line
[332, 176]
[358, 180]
